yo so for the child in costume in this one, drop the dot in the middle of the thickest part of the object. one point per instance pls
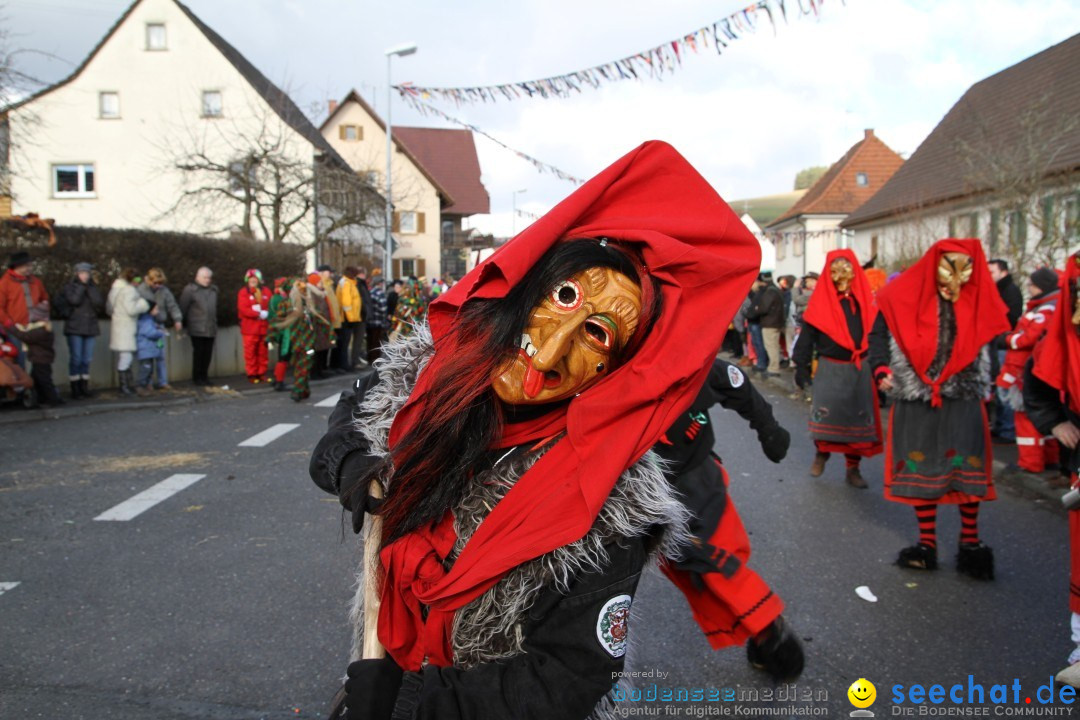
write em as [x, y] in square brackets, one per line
[279, 336]
[39, 339]
[844, 417]
[149, 346]
[929, 352]
[1052, 402]
[512, 439]
[253, 309]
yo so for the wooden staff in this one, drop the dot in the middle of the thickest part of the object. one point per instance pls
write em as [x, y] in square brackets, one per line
[373, 650]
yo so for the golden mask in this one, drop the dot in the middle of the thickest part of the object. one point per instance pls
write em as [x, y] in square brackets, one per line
[572, 338]
[842, 273]
[953, 272]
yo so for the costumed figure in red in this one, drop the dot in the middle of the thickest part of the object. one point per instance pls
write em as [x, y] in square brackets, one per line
[928, 353]
[1034, 450]
[844, 417]
[253, 309]
[512, 435]
[1052, 402]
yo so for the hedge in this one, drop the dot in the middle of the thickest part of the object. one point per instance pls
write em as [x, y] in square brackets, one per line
[111, 250]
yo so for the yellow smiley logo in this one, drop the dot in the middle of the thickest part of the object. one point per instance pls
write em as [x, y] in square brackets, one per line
[862, 693]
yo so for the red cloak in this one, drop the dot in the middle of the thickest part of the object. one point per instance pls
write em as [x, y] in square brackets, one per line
[654, 203]
[1057, 356]
[825, 313]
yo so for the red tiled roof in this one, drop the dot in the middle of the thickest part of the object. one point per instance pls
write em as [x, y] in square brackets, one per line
[836, 192]
[996, 112]
[450, 155]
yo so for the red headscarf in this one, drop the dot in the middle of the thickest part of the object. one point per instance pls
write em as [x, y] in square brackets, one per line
[655, 204]
[1057, 357]
[910, 306]
[825, 313]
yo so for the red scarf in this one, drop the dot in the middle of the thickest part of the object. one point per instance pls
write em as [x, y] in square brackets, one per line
[910, 306]
[1057, 356]
[654, 203]
[825, 312]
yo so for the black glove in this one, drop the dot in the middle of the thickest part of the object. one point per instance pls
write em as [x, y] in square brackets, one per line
[372, 689]
[775, 443]
[355, 470]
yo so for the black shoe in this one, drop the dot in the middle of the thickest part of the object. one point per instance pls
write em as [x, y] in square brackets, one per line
[777, 651]
[76, 389]
[84, 389]
[975, 560]
[279, 386]
[918, 557]
[126, 382]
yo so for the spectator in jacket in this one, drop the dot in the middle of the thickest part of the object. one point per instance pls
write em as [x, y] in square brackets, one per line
[150, 344]
[376, 317]
[359, 354]
[198, 303]
[125, 306]
[1004, 425]
[349, 340]
[18, 285]
[768, 311]
[800, 298]
[253, 309]
[154, 291]
[84, 301]
[38, 336]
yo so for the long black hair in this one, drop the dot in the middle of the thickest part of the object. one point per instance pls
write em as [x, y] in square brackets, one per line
[461, 416]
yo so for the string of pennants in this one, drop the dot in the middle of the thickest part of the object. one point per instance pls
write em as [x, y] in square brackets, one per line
[426, 109]
[655, 62]
[773, 236]
[527, 215]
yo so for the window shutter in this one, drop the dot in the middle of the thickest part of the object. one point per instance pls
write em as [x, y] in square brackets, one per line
[397, 268]
[341, 132]
[395, 226]
[1021, 227]
[419, 222]
[359, 132]
[974, 223]
[1048, 217]
[952, 226]
[995, 221]
[421, 267]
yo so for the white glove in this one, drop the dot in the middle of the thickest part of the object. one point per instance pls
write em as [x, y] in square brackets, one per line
[263, 314]
[257, 308]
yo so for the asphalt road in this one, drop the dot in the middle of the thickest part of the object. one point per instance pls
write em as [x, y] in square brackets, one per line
[228, 599]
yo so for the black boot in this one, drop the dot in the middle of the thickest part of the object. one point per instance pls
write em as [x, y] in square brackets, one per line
[126, 382]
[975, 560]
[918, 557]
[279, 386]
[777, 651]
[84, 388]
[76, 389]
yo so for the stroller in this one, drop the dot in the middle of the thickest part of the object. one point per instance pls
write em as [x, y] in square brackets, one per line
[15, 384]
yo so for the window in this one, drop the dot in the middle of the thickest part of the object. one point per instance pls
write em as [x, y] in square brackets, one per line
[797, 244]
[155, 36]
[448, 231]
[73, 181]
[241, 177]
[408, 268]
[211, 104]
[108, 105]
[408, 223]
[350, 132]
[862, 180]
[964, 226]
[781, 247]
[371, 177]
[1017, 229]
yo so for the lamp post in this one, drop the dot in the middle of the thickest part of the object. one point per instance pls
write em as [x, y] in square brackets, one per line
[513, 219]
[401, 50]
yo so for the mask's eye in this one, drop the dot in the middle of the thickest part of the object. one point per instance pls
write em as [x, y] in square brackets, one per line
[567, 295]
[600, 329]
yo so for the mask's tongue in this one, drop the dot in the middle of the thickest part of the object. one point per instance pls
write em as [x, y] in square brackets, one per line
[534, 380]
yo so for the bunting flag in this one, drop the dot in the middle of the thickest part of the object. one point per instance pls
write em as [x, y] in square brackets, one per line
[527, 215]
[426, 109]
[653, 63]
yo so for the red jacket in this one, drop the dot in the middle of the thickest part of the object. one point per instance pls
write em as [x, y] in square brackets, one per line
[1020, 343]
[250, 321]
[13, 290]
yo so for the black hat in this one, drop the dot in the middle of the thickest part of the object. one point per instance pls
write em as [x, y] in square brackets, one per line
[765, 276]
[324, 268]
[1045, 279]
[812, 276]
[19, 258]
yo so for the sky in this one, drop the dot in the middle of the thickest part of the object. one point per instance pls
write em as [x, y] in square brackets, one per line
[748, 120]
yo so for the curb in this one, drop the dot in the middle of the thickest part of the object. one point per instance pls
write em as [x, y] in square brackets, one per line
[1026, 484]
[75, 409]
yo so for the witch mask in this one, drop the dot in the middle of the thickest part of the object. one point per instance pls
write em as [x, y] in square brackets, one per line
[842, 273]
[953, 272]
[572, 339]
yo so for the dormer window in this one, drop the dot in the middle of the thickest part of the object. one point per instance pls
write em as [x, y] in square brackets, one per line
[108, 105]
[350, 132]
[862, 180]
[211, 104]
[155, 36]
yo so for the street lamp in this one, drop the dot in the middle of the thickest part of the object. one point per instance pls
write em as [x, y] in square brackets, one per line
[513, 202]
[402, 50]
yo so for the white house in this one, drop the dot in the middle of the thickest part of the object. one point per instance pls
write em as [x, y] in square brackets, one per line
[165, 126]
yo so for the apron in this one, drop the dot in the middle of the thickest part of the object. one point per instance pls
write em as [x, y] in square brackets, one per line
[845, 407]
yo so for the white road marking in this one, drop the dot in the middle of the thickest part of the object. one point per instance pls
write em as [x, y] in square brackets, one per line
[5, 586]
[269, 435]
[330, 401]
[148, 498]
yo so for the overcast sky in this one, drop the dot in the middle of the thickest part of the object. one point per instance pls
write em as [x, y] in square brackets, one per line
[748, 120]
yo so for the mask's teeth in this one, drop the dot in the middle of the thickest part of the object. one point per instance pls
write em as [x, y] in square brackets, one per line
[530, 350]
[525, 340]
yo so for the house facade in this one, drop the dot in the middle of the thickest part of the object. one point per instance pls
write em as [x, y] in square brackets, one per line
[435, 184]
[1002, 166]
[809, 229]
[164, 126]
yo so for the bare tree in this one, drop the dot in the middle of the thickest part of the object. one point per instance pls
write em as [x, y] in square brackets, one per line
[1019, 174]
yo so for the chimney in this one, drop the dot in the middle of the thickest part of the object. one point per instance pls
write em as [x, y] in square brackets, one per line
[331, 106]
[869, 133]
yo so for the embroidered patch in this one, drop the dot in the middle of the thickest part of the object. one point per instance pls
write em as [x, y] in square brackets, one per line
[735, 375]
[613, 624]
